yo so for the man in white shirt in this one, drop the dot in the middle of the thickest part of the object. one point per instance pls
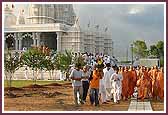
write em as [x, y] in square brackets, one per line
[116, 80]
[76, 76]
[108, 71]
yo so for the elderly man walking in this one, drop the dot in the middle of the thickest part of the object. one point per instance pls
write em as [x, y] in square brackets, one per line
[76, 76]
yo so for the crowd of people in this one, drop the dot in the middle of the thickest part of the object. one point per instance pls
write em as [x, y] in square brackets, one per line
[103, 82]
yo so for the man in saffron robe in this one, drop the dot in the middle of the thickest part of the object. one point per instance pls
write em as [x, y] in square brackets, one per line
[125, 84]
[142, 85]
[132, 81]
[154, 73]
[160, 83]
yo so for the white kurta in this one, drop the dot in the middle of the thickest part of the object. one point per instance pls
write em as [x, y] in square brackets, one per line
[107, 76]
[108, 86]
[116, 80]
[102, 90]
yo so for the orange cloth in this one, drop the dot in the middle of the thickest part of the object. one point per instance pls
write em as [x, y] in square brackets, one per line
[150, 73]
[150, 82]
[142, 88]
[160, 85]
[125, 84]
[94, 83]
[132, 81]
[154, 87]
[139, 74]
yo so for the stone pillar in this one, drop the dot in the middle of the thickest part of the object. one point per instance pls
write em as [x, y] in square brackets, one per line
[16, 44]
[58, 41]
[16, 41]
[20, 43]
[38, 42]
[34, 39]
[5, 46]
[38, 39]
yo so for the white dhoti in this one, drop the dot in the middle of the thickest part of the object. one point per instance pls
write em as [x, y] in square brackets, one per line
[108, 94]
[116, 86]
[107, 76]
[102, 91]
[116, 91]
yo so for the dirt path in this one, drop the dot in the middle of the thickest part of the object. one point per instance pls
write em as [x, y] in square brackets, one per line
[55, 97]
[59, 99]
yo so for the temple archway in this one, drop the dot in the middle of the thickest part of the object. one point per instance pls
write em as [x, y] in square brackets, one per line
[10, 41]
[27, 40]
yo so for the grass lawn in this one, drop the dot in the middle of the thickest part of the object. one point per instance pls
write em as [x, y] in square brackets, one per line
[21, 83]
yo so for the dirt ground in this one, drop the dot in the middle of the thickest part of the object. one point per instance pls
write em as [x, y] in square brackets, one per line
[54, 97]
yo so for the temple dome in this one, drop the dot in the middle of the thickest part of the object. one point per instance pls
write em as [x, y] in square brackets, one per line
[10, 18]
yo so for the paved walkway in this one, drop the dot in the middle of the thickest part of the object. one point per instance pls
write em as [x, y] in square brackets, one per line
[140, 106]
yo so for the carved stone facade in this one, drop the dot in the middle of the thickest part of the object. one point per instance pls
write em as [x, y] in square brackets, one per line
[54, 25]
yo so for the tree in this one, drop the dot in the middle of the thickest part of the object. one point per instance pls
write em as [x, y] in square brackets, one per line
[34, 58]
[160, 47]
[12, 62]
[48, 65]
[154, 50]
[140, 49]
[158, 51]
[79, 59]
[63, 60]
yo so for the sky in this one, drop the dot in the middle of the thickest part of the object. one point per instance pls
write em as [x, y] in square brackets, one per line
[125, 22]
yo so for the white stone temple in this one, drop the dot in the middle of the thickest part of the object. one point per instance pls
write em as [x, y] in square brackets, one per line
[53, 25]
